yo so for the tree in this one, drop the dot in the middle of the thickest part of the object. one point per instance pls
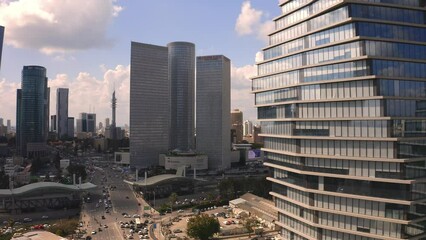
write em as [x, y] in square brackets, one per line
[173, 198]
[78, 170]
[250, 224]
[202, 227]
[4, 180]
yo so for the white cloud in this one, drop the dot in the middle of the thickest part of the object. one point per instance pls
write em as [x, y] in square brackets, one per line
[241, 96]
[249, 22]
[57, 26]
[8, 100]
[89, 93]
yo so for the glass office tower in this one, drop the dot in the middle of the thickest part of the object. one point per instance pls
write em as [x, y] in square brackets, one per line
[341, 96]
[32, 108]
[182, 92]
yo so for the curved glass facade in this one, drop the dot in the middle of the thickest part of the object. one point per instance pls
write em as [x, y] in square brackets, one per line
[341, 96]
[182, 79]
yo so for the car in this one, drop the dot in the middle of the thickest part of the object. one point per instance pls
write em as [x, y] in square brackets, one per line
[44, 217]
[105, 226]
[27, 220]
[127, 197]
[93, 232]
[103, 217]
[177, 230]
[100, 229]
[180, 211]
[129, 237]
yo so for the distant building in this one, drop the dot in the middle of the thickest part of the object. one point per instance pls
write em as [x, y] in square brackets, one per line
[9, 127]
[149, 104]
[70, 127]
[256, 131]
[62, 112]
[1, 122]
[122, 158]
[237, 124]
[106, 122]
[190, 161]
[86, 123]
[32, 111]
[247, 128]
[53, 122]
[213, 110]
[1, 41]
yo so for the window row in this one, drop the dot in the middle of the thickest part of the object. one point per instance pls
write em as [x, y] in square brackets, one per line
[399, 69]
[351, 128]
[392, 49]
[351, 167]
[363, 108]
[387, 13]
[400, 88]
[289, 145]
[291, 5]
[411, 3]
[371, 149]
[334, 53]
[360, 224]
[298, 225]
[382, 30]
[286, 234]
[295, 209]
[412, 149]
[403, 108]
[310, 25]
[328, 72]
[354, 187]
[304, 12]
[317, 39]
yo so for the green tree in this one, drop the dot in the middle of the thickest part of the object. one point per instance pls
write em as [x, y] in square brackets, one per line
[4, 180]
[202, 227]
[173, 198]
[250, 224]
[78, 170]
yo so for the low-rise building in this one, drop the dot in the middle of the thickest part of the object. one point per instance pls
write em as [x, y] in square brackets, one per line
[189, 160]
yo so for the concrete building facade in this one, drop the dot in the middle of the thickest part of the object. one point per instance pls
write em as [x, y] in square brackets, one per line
[237, 125]
[213, 110]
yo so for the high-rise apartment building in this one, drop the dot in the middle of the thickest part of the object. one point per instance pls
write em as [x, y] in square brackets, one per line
[149, 104]
[62, 112]
[341, 99]
[213, 110]
[32, 112]
[237, 125]
[181, 57]
[9, 125]
[107, 122]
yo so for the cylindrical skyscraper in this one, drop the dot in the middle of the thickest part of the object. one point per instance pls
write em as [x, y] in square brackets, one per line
[182, 82]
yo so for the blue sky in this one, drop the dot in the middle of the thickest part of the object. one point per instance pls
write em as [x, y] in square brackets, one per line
[85, 45]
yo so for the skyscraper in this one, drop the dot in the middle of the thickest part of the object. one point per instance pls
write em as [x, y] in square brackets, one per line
[341, 99]
[86, 123]
[247, 128]
[106, 122]
[237, 124]
[70, 126]
[149, 104]
[53, 122]
[32, 108]
[9, 127]
[181, 57]
[213, 110]
[62, 112]
[1, 42]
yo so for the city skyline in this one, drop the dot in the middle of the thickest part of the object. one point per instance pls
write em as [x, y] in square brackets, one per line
[88, 69]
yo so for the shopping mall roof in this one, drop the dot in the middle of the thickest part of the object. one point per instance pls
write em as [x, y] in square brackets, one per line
[45, 186]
